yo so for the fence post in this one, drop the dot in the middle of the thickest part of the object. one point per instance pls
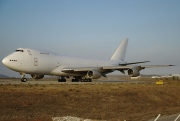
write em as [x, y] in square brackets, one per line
[177, 118]
[157, 117]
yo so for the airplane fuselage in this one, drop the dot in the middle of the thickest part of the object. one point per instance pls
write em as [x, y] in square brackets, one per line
[31, 61]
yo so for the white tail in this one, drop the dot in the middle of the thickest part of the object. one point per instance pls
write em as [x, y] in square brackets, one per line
[120, 52]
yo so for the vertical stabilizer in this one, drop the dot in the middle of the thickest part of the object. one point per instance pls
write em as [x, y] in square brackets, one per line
[119, 54]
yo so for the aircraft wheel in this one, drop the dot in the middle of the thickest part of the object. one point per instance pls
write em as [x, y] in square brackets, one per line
[24, 80]
[74, 80]
[61, 80]
[86, 80]
[89, 80]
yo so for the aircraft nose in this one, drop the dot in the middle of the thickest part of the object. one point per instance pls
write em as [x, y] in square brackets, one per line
[5, 61]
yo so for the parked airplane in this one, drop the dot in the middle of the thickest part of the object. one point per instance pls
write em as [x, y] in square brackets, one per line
[38, 63]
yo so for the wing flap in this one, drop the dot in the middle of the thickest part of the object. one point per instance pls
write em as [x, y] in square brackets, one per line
[155, 66]
[116, 67]
[128, 67]
[77, 69]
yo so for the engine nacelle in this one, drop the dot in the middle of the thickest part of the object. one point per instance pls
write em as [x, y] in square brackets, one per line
[37, 76]
[134, 72]
[93, 74]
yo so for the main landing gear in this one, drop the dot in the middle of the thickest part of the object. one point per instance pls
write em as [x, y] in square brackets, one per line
[79, 79]
[75, 79]
[86, 80]
[62, 79]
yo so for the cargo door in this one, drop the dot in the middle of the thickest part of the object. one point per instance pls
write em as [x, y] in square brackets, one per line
[35, 62]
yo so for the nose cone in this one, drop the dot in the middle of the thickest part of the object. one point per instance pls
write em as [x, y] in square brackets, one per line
[5, 61]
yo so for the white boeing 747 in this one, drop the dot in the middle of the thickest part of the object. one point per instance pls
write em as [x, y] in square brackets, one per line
[38, 63]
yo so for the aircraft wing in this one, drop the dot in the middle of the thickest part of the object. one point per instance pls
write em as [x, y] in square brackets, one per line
[133, 71]
[105, 68]
[128, 67]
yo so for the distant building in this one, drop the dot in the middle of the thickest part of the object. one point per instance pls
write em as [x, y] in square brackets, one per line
[176, 76]
[167, 77]
[155, 77]
[138, 77]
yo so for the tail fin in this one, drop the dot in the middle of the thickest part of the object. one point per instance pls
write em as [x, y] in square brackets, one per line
[120, 52]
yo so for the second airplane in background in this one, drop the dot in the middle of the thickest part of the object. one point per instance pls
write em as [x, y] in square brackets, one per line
[38, 63]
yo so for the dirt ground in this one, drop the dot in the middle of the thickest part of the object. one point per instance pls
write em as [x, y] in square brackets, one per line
[108, 101]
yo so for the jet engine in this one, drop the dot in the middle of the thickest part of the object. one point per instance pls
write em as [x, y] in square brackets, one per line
[93, 74]
[37, 76]
[134, 72]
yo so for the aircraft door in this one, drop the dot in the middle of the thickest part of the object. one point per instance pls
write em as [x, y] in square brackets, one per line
[29, 52]
[30, 57]
[35, 62]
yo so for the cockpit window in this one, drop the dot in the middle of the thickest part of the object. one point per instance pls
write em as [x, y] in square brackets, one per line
[19, 51]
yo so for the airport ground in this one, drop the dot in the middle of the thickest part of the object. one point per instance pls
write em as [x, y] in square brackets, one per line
[130, 100]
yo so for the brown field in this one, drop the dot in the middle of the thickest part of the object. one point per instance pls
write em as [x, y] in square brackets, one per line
[104, 101]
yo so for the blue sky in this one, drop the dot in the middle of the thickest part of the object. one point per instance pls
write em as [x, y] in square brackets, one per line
[94, 29]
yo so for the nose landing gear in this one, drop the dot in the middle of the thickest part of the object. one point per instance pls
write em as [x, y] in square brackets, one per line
[23, 79]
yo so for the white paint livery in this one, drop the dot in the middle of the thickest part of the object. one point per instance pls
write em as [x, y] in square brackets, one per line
[38, 63]
[121, 51]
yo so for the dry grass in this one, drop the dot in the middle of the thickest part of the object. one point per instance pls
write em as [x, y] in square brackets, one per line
[133, 102]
